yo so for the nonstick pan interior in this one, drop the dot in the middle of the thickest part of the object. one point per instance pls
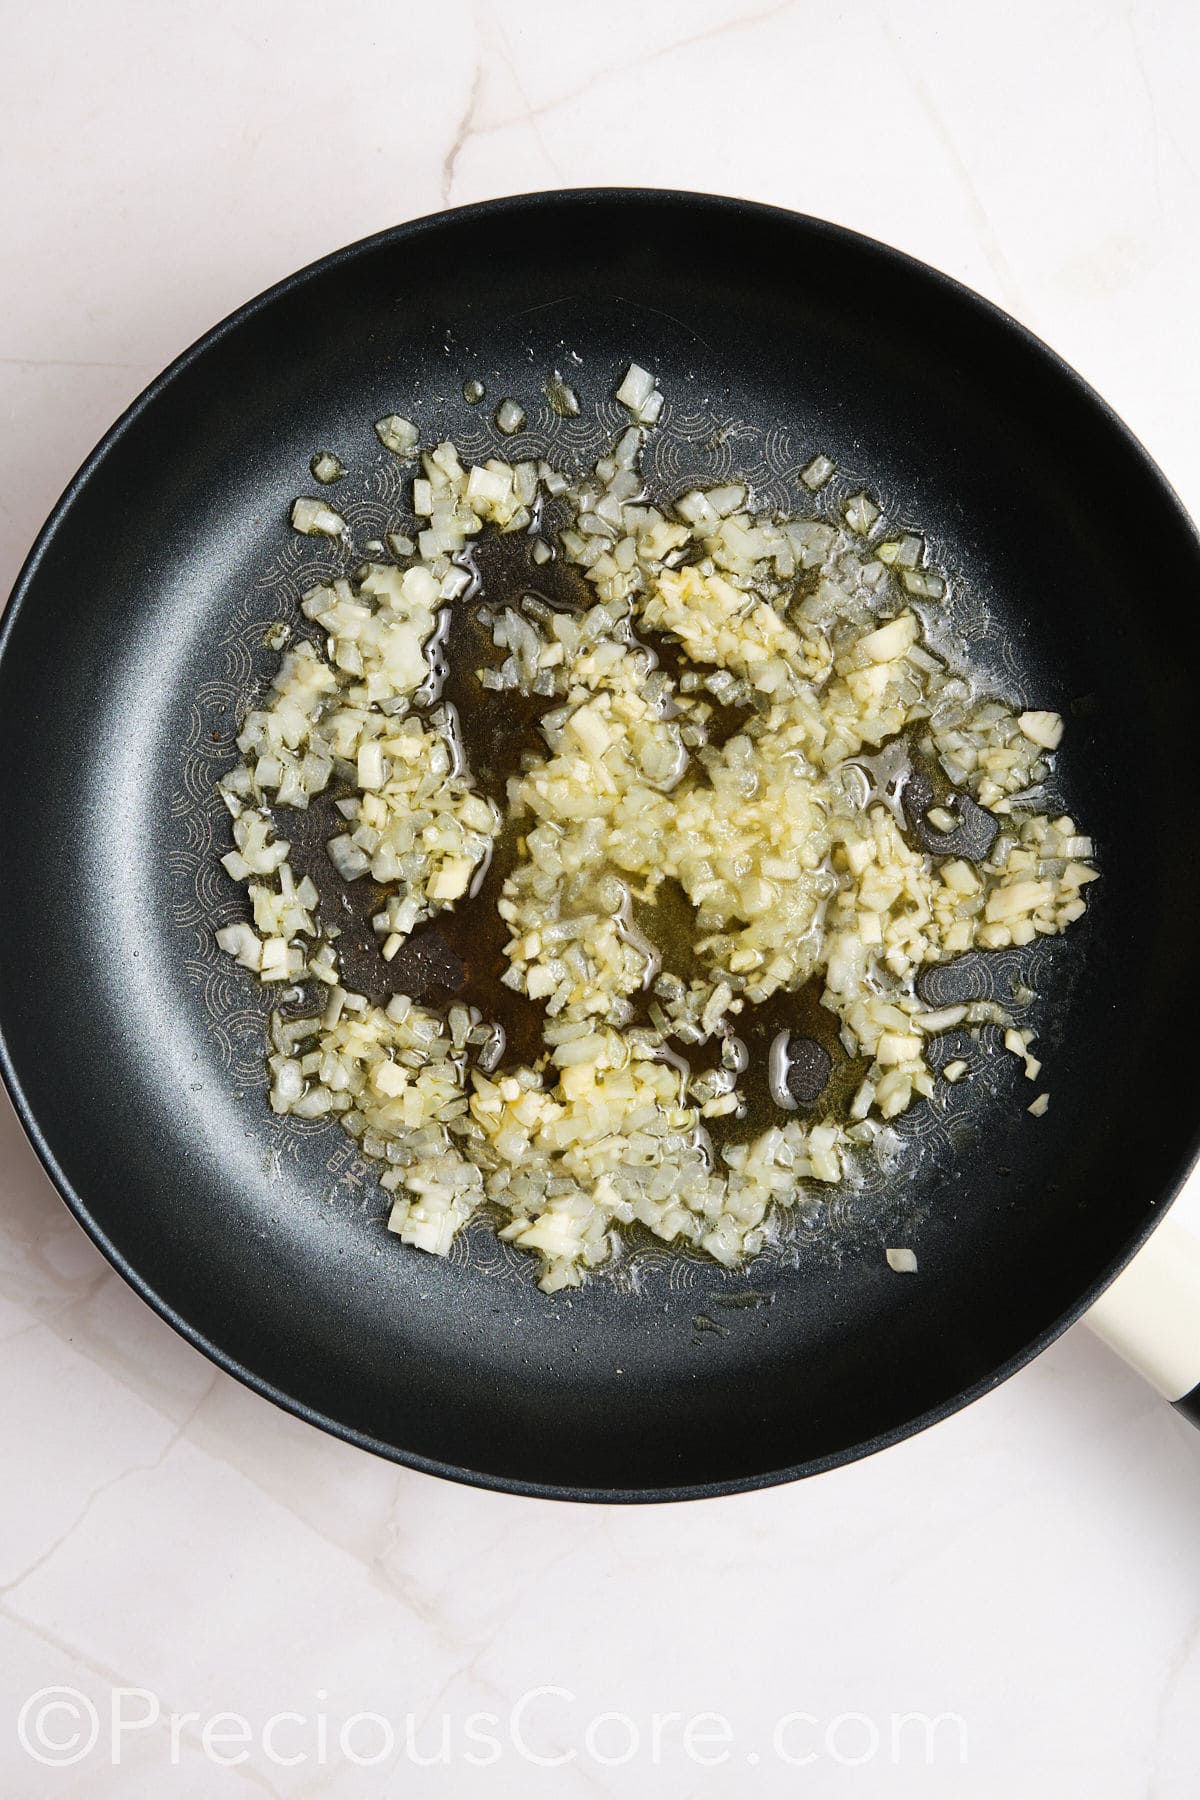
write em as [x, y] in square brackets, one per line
[134, 1049]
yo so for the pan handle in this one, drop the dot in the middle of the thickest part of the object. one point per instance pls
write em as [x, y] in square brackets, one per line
[1150, 1314]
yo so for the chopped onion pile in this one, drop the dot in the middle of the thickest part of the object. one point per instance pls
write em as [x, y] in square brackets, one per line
[782, 833]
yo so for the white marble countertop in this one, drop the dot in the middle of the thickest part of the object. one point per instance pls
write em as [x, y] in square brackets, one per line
[1032, 1567]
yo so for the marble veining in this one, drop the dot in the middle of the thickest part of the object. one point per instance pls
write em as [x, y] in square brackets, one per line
[1026, 1576]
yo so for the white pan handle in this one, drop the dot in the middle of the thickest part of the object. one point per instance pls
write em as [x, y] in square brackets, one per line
[1150, 1314]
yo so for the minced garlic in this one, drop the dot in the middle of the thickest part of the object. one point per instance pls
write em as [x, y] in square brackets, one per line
[785, 842]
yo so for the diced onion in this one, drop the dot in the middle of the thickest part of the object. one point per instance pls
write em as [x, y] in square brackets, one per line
[861, 513]
[639, 392]
[1044, 728]
[510, 417]
[315, 519]
[326, 467]
[757, 766]
[397, 434]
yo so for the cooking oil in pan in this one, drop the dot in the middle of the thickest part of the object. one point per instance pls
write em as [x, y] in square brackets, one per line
[786, 1051]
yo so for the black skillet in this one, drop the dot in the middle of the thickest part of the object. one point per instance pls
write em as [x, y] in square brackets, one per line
[132, 1051]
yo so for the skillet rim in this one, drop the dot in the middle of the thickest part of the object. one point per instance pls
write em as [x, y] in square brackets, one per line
[970, 302]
